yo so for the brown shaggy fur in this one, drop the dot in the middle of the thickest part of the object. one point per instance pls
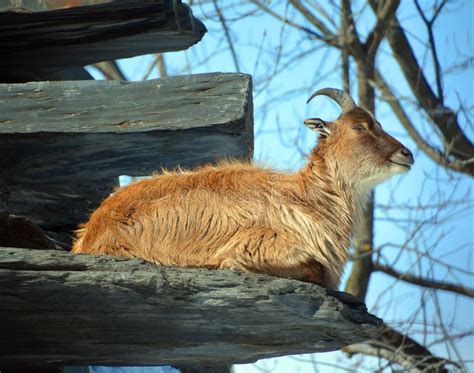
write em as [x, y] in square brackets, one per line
[241, 216]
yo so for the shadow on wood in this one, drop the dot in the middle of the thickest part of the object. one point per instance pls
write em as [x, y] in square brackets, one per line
[62, 309]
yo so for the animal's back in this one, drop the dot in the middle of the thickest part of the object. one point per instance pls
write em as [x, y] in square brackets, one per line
[180, 218]
[231, 216]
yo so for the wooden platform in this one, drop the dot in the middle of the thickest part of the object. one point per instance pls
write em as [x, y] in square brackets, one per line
[65, 309]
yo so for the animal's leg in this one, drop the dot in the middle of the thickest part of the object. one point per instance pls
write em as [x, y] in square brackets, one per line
[262, 250]
[232, 263]
[331, 280]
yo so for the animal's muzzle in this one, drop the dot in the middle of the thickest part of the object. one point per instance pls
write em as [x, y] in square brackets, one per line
[403, 156]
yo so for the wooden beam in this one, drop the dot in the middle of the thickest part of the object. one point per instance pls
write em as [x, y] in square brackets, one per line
[64, 144]
[48, 35]
[65, 309]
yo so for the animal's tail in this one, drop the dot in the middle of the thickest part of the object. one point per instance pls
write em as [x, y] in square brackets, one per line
[78, 240]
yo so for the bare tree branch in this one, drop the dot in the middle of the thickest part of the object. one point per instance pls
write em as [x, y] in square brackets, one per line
[402, 350]
[443, 117]
[434, 53]
[158, 61]
[311, 17]
[424, 282]
[330, 37]
[291, 23]
[346, 81]
[384, 14]
[465, 166]
[111, 70]
[227, 36]
[350, 36]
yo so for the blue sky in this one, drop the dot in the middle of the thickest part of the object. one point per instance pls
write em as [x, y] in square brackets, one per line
[282, 141]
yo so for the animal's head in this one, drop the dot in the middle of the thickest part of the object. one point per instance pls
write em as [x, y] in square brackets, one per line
[355, 145]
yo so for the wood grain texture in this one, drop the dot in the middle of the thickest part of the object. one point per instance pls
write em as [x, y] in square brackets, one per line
[181, 102]
[64, 144]
[48, 35]
[60, 308]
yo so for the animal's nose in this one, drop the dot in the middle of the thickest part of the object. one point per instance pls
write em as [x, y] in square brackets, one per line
[406, 152]
[404, 155]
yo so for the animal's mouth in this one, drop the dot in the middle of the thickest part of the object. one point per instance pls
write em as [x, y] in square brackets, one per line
[403, 158]
[407, 165]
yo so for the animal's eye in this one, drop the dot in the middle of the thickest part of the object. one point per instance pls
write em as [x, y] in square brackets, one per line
[359, 127]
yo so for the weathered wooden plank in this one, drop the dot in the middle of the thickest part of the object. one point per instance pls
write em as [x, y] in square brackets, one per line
[38, 36]
[60, 308]
[181, 102]
[64, 144]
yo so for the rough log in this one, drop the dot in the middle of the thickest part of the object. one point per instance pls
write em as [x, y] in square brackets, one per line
[64, 144]
[59, 308]
[38, 36]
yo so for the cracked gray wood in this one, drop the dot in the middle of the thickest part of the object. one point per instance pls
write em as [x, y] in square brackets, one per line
[60, 308]
[38, 37]
[64, 144]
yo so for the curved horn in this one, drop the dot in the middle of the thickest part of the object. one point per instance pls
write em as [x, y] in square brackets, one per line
[342, 98]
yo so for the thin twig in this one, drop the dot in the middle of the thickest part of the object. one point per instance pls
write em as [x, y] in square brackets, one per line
[424, 282]
[429, 27]
[405, 120]
[227, 36]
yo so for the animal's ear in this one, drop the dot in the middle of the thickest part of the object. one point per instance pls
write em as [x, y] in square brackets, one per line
[318, 125]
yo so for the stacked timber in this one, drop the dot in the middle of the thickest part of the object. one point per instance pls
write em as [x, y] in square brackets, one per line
[64, 144]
